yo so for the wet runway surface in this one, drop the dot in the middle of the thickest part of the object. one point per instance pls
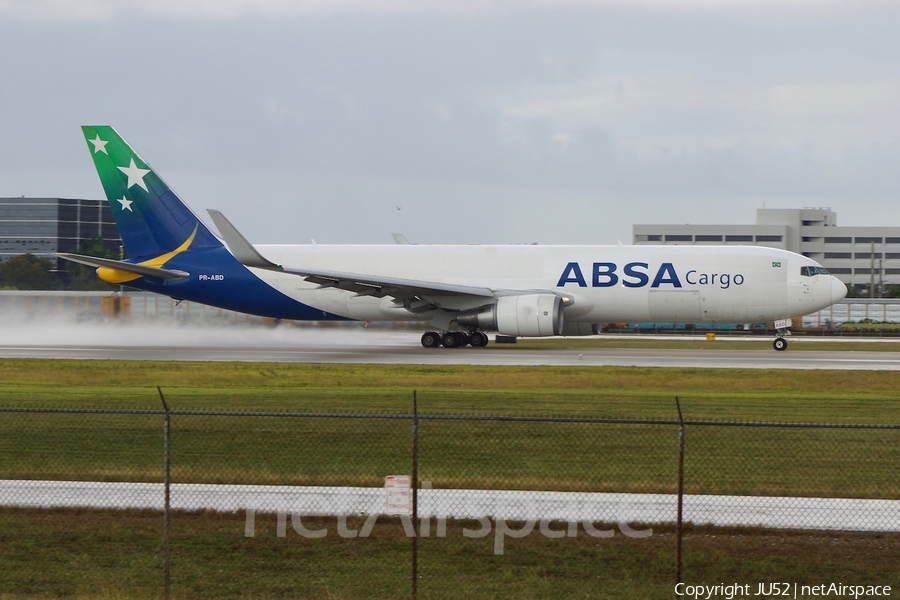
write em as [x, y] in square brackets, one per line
[327, 345]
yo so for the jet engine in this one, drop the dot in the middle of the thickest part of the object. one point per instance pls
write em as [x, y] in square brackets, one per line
[529, 315]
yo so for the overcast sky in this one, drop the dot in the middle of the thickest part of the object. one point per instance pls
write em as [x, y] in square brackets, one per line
[506, 121]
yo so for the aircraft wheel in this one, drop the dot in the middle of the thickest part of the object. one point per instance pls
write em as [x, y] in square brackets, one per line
[478, 339]
[431, 339]
[780, 344]
[451, 340]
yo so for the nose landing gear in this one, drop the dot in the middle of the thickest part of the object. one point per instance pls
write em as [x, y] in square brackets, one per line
[782, 329]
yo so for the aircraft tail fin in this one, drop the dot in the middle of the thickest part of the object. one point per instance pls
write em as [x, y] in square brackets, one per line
[151, 218]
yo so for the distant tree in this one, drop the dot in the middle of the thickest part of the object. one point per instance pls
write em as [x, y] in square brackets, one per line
[82, 277]
[862, 290]
[858, 291]
[26, 272]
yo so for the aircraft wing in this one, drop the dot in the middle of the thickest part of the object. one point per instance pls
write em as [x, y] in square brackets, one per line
[404, 290]
[128, 267]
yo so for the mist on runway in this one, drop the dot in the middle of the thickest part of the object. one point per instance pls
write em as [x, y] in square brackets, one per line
[20, 328]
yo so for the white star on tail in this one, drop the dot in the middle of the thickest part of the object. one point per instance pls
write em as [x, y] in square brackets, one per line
[135, 175]
[126, 203]
[99, 145]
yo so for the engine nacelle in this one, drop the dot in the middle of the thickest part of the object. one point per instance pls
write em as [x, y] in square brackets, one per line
[529, 315]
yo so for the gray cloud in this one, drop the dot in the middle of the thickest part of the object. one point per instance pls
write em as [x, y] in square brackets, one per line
[525, 123]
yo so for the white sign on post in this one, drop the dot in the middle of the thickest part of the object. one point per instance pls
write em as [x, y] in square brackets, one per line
[396, 495]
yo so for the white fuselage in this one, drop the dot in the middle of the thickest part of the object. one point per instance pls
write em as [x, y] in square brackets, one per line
[679, 284]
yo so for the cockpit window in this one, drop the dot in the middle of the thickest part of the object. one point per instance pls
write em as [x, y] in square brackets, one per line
[810, 271]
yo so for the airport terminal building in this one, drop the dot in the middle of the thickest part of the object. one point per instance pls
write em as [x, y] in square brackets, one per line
[856, 255]
[44, 226]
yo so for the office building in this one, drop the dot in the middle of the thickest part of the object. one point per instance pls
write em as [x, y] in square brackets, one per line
[45, 226]
[856, 255]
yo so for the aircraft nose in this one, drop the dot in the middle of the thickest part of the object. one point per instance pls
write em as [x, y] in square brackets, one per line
[838, 290]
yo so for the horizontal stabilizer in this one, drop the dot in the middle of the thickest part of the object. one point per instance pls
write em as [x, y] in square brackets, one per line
[120, 265]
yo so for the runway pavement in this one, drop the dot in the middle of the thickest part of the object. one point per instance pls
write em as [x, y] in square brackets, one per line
[765, 511]
[357, 345]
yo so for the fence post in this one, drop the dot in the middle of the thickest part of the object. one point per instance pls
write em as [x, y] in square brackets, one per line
[167, 485]
[678, 532]
[415, 498]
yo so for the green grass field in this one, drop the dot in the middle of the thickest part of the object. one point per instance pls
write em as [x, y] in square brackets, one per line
[623, 392]
[117, 554]
[66, 554]
[489, 454]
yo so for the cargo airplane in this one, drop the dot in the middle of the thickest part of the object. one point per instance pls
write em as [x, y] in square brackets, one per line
[457, 293]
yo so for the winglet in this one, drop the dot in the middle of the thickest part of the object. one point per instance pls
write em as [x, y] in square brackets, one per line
[238, 244]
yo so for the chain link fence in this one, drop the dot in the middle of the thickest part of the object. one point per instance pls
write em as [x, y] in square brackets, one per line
[157, 503]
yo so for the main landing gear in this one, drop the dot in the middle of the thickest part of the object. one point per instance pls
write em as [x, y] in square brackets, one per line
[454, 339]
